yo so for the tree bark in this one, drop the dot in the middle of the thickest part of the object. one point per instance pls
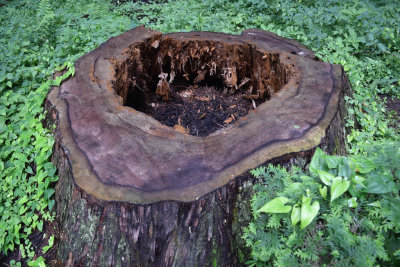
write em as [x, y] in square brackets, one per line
[133, 192]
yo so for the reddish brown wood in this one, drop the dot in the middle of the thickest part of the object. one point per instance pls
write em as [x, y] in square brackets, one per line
[135, 192]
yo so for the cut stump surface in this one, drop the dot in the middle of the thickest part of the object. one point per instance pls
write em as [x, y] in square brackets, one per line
[167, 196]
[118, 153]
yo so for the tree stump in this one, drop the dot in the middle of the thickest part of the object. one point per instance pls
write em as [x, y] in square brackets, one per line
[136, 192]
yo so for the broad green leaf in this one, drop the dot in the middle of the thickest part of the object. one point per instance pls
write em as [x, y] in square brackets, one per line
[308, 211]
[318, 162]
[364, 165]
[359, 180]
[296, 214]
[333, 161]
[345, 170]
[325, 177]
[323, 191]
[277, 205]
[352, 202]
[339, 186]
[355, 190]
[379, 184]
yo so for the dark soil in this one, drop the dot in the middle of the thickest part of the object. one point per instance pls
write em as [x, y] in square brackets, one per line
[199, 110]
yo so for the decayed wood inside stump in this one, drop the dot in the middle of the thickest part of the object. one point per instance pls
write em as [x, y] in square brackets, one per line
[198, 86]
[134, 191]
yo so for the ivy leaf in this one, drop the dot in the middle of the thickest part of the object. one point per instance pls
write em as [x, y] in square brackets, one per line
[308, 212]
[325, 177]
[379, 184]
[296, 214]
[277, 205]
[339, 186]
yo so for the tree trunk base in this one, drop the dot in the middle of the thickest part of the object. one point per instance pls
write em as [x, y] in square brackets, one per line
[103, 224]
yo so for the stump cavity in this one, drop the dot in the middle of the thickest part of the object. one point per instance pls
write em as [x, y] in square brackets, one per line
[197, 86]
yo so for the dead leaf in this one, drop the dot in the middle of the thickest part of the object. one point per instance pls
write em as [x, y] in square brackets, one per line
[201, 74]
[202, 116]
[228, 120]
[163, 89]
[233, 106]
[180, 129]
[202, 98]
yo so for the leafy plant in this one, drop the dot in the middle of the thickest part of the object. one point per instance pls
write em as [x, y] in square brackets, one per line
[37, 37]
[351, 227]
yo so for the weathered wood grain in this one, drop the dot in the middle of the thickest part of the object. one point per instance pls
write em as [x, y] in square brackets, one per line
[134, 192]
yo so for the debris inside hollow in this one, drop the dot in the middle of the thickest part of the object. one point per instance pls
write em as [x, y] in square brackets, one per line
[197, 86]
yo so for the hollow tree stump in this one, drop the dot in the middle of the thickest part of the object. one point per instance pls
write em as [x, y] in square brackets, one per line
[135, 192]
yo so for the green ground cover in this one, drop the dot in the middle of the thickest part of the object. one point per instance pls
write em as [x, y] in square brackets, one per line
[36, 37]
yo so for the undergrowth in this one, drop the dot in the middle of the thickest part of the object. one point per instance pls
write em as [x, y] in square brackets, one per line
[38, 36]
[35, 39]
[343, 211]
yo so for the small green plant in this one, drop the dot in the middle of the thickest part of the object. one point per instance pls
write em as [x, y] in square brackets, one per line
[341, 212]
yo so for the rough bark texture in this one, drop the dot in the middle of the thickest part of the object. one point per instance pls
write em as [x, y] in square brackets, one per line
[133, 192]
